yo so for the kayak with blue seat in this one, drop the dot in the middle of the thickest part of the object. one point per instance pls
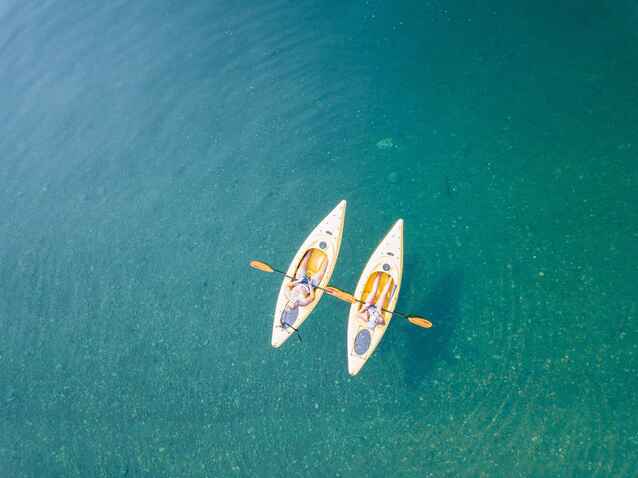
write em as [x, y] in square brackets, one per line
[385, 265]
[322, 245]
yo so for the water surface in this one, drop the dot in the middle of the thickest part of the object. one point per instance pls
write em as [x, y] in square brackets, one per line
[149, 150]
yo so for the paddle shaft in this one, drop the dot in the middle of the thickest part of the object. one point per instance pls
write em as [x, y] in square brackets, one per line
[401, 314]
[292, 278]
[382, 309]
[353, 297]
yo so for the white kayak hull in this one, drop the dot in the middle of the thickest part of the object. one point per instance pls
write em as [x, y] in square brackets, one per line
[324, 240]
[387, 259]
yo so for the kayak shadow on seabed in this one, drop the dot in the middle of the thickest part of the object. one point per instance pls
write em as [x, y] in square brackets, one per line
[426, 349]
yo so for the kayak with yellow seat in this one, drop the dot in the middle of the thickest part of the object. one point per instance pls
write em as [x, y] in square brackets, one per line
[387, 263]
[323, 245]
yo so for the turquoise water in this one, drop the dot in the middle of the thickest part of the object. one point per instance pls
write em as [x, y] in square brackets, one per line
[149, 150]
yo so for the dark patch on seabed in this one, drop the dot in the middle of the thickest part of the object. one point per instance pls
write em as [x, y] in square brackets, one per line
[425, 350]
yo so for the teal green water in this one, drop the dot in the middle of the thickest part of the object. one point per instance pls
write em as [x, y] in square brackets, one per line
[149, 150]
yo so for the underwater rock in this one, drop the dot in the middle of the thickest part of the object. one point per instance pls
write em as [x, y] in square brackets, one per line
[386, 143]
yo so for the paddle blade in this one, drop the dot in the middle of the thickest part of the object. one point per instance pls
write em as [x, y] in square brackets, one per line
[420, 321]
[339, 294]
[261, 266]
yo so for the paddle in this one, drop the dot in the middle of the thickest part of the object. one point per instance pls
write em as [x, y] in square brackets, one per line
[345, 296]
[262, 266]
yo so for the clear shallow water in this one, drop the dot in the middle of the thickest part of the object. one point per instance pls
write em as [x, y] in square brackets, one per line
[149, 151]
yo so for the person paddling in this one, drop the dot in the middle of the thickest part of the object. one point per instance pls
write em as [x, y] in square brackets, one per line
[302, 289]
[371, 311]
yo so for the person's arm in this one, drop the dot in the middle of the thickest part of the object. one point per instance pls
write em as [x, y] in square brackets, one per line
[293, 283]
[362, 314]
[307, 300]
[381, 317]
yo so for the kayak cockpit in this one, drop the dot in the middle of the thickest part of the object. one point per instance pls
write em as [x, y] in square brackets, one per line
[384, 278]
[315, 263]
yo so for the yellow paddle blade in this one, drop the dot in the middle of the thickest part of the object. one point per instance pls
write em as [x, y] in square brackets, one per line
[420, 321]
[339, 294]
[261, 266]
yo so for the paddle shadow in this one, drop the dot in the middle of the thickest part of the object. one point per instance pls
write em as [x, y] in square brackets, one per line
[428, 347]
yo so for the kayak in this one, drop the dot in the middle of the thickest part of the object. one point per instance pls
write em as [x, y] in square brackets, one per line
[323, 246]
[386, 263]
